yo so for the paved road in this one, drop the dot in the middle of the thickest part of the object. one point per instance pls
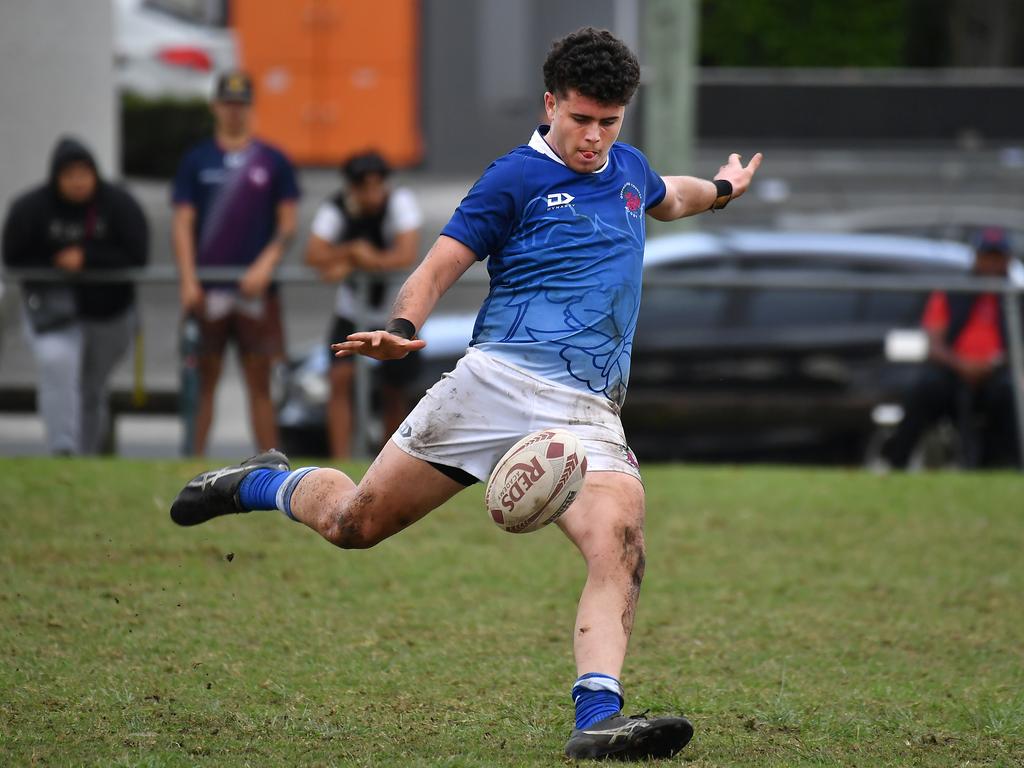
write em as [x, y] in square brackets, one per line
[798, 187]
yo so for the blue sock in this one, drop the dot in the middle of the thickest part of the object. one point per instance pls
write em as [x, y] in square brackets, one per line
[596, 697]
[259, 488]
[271, 489]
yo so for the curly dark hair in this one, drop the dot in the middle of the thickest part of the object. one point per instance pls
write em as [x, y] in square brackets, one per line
[595, 64]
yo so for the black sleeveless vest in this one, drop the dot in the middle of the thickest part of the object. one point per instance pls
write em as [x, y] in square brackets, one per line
[370, 228]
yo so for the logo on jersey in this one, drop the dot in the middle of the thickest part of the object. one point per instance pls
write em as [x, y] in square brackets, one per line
[634, 202]
[559, 198]
[259, 175]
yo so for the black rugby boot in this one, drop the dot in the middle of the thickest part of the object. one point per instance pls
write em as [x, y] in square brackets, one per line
[629, 738]
[215, 493]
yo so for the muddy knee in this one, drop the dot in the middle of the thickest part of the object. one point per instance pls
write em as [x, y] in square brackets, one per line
[349, 533]
[353, 526]
[617, 553]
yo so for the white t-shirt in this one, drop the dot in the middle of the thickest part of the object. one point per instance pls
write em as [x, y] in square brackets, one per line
[403, 214]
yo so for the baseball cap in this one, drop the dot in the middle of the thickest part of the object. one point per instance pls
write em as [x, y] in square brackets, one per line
[993, 240]
[235, 87]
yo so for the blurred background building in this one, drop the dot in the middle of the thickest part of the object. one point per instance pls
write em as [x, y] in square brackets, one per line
[893, 116]
[56, 74]
[456, 78]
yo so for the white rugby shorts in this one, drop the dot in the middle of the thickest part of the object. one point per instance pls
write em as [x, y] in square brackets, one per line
[475, 413]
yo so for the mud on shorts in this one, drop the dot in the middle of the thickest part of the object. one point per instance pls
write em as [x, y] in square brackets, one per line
[475, 413]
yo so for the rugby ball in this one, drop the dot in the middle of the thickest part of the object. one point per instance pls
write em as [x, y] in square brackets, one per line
[536, 481]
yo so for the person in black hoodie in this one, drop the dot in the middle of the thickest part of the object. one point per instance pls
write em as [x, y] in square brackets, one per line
[76, 222]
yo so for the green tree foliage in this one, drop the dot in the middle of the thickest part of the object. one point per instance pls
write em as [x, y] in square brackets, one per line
[807, 33]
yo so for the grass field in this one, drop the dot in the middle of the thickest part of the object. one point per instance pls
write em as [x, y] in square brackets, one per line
[799, 618]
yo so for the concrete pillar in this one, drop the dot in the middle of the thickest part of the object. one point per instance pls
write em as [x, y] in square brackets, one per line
[56, 78]
[670, 93]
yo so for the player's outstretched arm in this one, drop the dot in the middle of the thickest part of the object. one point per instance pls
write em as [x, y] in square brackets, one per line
[446, 262]
[688, 195]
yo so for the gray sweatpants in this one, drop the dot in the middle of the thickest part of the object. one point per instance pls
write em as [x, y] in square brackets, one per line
[74, 364]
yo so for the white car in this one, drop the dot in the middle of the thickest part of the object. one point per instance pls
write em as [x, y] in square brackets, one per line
[172, 48]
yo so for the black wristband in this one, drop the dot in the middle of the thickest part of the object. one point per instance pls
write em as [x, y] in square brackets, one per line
[723, 194]
[399, 326]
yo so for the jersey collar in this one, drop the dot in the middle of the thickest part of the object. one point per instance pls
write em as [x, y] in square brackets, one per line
[539, 144]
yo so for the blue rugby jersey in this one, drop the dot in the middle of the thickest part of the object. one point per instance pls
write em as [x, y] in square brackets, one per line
[566, 255]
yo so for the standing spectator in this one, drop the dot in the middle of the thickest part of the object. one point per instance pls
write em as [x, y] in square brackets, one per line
[966, 372]
[234, 206]
[76, 222]
[367, 226]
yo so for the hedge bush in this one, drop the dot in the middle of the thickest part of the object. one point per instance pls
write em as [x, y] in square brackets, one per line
[156, 132]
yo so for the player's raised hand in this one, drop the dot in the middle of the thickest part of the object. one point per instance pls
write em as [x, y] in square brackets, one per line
[737, 174]
[379, 345]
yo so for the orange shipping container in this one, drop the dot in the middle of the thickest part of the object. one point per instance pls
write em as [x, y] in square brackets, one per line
[334, 77]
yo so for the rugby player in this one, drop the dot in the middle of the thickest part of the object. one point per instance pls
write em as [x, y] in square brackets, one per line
[561, 222]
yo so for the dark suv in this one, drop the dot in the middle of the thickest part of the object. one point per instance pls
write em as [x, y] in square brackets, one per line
[772, 374]
[751, 373]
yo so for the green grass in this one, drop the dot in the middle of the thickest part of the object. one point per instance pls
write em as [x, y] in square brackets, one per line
[800, 618]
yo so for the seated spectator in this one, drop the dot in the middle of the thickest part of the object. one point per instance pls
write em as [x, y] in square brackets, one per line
[367, 226]
[967, 365]
[78, 331]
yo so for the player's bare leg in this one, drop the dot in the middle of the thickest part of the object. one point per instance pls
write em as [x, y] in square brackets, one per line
[606, 523]
[396, 491]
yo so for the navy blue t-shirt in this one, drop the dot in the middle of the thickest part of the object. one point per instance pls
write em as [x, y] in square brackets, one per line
[566, 256]
[235, 195]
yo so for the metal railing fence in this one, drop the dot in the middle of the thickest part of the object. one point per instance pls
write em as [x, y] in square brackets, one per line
[687, 278]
